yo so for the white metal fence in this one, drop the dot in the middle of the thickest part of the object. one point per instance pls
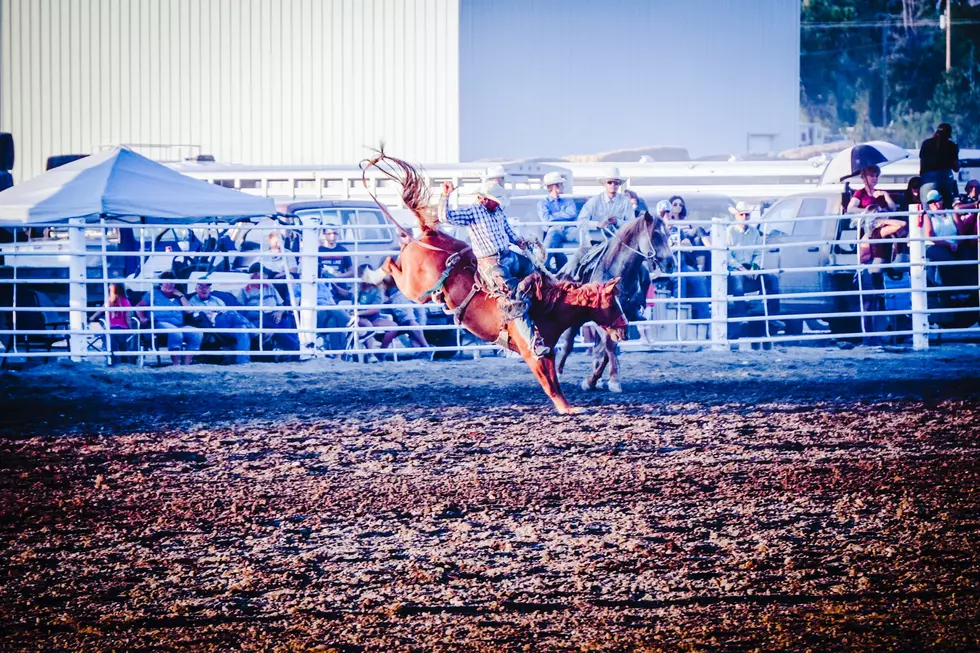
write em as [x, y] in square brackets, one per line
[55, 283]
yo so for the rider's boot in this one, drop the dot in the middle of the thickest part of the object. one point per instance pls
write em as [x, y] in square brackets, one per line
[526, 328]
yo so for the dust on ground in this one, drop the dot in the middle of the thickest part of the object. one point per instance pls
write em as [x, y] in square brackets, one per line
[793, 500]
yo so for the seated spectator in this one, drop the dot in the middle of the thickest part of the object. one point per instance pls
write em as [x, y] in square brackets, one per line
[262, 295]
[740, 235]
[696, 259]
[966, 225]
[911, 196]
[335, 264]
[639, 206]
[222, 319]
[560, 212]
[866, 202]
[279, 265]
[404, 317]
[972, 192]
[118, 321]
[936, 228]
[166, 300]
[370, 295]
[328, 316]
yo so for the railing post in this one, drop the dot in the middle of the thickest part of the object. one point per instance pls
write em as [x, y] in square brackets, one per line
[719, 285]
[309, 272]
[917, 276]
[76, 287]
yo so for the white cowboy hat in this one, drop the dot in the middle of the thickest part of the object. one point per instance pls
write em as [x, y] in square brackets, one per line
[373, 277]
[611, 172]
[495, 172]
[494, 191]
[552, 178]
[740, 208]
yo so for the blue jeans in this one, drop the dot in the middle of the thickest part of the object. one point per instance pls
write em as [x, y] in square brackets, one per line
[243, 341]
[941, 180]
[189, 336]
[502, 273]
[739, 285]
[556, 238]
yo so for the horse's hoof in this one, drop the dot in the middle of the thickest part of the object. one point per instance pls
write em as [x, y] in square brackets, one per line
[615, 386]
[572, 410]
[588, 387]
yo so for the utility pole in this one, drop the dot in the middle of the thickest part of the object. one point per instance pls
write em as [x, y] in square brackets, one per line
[949, 34]
[884, 74]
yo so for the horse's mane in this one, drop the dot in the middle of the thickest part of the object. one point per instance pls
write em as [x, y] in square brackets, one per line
[627, 237]
[548, 291]
[415, 191]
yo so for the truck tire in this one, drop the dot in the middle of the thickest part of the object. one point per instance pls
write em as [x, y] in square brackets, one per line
[6, 180]
[6, 151]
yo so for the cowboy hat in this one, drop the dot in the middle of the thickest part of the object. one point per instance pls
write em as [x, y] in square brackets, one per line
[610, 173]
[373, 277]
[495, 172]
[551, 179]
[740, 208]
[494, 191]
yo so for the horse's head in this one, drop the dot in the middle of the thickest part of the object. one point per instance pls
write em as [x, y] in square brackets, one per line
[609, 313]
[656, 246]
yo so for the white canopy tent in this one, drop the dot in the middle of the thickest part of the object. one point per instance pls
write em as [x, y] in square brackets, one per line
[120, 183]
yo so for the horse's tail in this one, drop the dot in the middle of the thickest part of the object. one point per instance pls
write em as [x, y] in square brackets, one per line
[415, 190]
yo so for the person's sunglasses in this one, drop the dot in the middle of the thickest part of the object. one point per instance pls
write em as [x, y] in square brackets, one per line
[613, 182]
[678, 204]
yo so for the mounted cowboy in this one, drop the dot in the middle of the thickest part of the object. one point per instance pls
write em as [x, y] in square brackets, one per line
[499, 268]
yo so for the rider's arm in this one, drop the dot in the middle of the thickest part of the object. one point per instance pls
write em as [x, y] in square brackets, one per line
[585, 215]
[463, 216]
[514, 238]
[543, 214]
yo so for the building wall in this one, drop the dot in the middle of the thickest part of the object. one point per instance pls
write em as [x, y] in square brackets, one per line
[558, 77]
[250, 81]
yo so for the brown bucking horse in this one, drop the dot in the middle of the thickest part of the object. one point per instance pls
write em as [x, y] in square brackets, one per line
[438, 266]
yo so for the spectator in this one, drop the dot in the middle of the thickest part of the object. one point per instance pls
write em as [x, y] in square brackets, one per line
[404, 317]
[607, 209]
[694, 260]
[557, 210]
[497, 174]
[370, 295]
[639, 206]
[166, 300]
[972, 191]
[118, 320]
[328, 316]
[280, 265]
[213, 317]
[911, 196]
[866, 202]
[936, 228]
[939, 158]
[262, 295]
[742, 235]
[335, 263]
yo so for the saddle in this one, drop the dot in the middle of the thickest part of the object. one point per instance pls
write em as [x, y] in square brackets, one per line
[584, 263]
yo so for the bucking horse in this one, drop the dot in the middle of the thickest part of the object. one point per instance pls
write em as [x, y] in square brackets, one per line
[438, 267]
[641, 243]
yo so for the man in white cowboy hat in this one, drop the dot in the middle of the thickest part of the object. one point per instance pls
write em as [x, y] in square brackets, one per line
[500, 269]
[610, 209]
[498, 174]
[742, 261]
[557, 209]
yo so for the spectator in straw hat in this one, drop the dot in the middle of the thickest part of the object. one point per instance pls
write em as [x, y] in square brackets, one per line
[609, 209]
[499, 268]
[556, 209]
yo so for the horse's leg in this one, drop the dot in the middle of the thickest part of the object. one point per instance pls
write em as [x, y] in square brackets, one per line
[568, 342]
[614, 384]
[598, 365]
[544, 370]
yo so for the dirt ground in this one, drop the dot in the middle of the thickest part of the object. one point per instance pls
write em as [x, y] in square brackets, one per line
[806, 499]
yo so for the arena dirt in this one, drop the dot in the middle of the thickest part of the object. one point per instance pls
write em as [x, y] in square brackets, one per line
[807, 499]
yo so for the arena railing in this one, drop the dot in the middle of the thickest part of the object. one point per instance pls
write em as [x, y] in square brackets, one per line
[861, 306]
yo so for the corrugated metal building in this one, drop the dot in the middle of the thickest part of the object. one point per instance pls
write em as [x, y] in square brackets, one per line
[272, 82]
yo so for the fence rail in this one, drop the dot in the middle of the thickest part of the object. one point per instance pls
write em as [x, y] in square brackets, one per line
[806, 282]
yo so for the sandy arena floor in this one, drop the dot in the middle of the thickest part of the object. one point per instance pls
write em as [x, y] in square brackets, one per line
[807, 499]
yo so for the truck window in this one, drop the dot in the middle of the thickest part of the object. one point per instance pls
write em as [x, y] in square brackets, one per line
[779, 218]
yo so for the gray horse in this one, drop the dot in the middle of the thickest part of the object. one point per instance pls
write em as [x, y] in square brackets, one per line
[632, 255]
